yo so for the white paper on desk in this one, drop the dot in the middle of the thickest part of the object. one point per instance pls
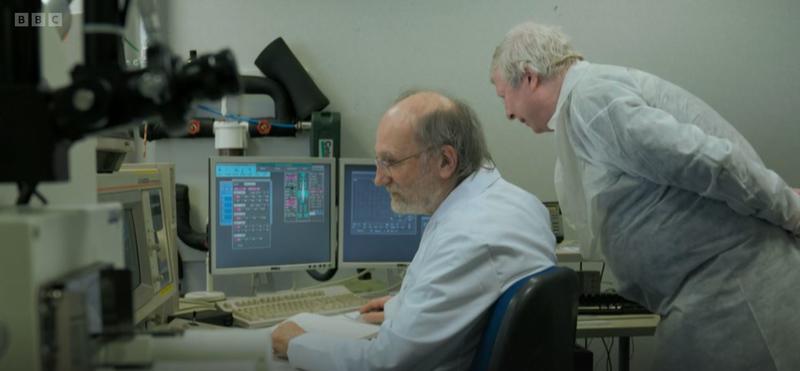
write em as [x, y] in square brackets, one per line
[206, 365]
[335, 325]
[354, 315]
[568, 249]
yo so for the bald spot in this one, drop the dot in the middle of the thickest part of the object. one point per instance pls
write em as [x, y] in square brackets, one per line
[396, 130]
[411, 108]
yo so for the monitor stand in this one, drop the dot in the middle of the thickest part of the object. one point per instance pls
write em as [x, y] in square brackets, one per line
[209, 295]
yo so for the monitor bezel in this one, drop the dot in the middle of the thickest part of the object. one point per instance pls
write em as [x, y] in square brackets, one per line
[343, 162]
[132, 191]
[131, 200]
[212, 215]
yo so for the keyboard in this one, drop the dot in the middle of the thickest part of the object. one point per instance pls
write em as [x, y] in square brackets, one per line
[267, 310]
[608, 303]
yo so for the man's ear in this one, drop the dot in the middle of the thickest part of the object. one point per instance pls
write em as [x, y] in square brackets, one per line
[449, 161]
[530, 79]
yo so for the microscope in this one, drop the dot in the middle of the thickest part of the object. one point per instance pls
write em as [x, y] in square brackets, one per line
[66, 292]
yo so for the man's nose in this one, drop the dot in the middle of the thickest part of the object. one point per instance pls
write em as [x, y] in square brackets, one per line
[381, 179]
[509, 115]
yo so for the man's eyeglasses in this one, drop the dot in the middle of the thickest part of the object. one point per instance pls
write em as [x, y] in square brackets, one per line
[387, 165]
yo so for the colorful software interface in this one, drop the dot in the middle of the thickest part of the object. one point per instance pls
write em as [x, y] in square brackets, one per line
[272, 214]
[372, 232]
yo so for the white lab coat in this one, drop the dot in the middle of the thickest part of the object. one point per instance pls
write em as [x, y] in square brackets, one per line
[689, 219]
[486, 235]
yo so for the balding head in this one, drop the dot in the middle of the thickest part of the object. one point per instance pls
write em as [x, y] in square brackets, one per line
[442, 131]
[412, 106]
[413, 172]
[438, 120]
[420, 103]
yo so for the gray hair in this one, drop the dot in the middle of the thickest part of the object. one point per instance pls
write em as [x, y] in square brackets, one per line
[456, 125]
[545, 50]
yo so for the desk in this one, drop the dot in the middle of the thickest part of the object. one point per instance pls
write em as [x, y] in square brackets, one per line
[621, 326]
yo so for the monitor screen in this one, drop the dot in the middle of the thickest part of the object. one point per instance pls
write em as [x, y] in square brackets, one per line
[131, 247]
[370, 233]
[271, 214]
[136, 243]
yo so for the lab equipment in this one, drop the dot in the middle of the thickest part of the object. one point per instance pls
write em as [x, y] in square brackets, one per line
[271, 214]
[80, 312]
[604, 303]
[267, 310]
[42, 123]
[370, 233]
[41, 245]
[556, 223]
[277, 62]
[325, 138]
[146, 193]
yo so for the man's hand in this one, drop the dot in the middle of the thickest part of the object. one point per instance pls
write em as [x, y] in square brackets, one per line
[797, 190]
[372, 312]
[282, 335]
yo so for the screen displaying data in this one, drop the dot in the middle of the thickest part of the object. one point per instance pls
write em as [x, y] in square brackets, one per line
[131, 247]
[271, 213]
[371, 233]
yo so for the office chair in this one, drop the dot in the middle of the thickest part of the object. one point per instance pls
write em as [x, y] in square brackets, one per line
[532, 325]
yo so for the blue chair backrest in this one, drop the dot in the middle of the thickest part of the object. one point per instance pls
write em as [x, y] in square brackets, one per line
[513, 335]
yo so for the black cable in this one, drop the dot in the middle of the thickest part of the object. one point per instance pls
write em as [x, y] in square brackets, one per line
[193, 239]
[124, 13]
[602, 270]
[25, 191]
[599, 359]
[608, 349]
[40, 197]
[180, 271]
[322, 277]
[611, 349]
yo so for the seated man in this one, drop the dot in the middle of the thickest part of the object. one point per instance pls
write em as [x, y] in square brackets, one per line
[484, 234]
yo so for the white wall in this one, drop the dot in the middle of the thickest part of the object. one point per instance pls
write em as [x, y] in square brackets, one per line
[739, 56]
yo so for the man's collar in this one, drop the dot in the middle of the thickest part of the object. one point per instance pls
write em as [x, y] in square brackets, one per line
[571, 79]
[469, 188]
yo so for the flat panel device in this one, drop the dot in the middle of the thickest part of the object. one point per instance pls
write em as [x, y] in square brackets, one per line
[370, 233]
[270, 214]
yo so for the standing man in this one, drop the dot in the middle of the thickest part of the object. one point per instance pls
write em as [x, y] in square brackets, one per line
[484, 234]
[688, 217]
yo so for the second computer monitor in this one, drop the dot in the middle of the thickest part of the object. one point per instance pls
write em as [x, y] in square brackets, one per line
[271, 214]
[370, 233]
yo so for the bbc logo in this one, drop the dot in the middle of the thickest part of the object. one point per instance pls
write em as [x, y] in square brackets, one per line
[38, 19]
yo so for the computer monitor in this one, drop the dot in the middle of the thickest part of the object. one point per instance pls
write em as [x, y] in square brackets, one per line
[131, 237]
[149, 244]
[371, 235]
[271, 214]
